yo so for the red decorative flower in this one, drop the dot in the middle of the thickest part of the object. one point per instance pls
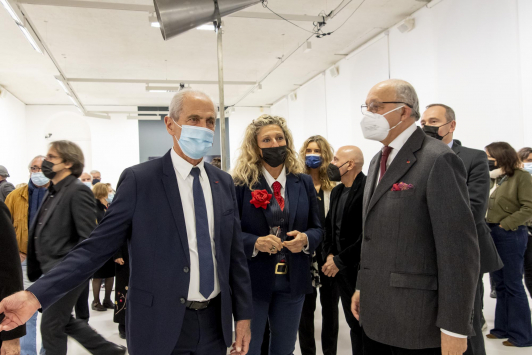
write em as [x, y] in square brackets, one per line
[401, 186]
[260, 198]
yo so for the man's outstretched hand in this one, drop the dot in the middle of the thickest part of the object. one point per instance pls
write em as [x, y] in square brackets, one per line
[18, 309]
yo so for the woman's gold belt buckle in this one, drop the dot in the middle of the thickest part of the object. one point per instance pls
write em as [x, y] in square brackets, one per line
[281, 269]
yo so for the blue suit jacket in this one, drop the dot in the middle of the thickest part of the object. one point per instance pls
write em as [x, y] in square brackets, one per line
[256, 222]
[147, 212]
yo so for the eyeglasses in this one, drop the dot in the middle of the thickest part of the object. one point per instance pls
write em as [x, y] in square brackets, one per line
[35, 169]
[376, 106]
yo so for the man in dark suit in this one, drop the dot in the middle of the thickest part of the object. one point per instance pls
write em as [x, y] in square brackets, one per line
[439, 122]
[343, 229]
[10, 277]
[65, 218]
[420, 258]
[189, 273]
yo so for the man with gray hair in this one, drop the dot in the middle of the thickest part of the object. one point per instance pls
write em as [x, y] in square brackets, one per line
[96, 177]
[23, 204]
[189, 275]
[419, 263]
[5, 186]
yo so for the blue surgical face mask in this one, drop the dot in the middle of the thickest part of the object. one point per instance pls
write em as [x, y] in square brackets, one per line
[88, 184]
[110, 197]
[313, 161]
[195, 142]
[528, 167]
[39, 179]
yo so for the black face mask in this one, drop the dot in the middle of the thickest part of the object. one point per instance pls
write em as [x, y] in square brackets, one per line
[432, 131]
[47, 169]
[333, 172]
[95, 181]
[491, 164]
[274, 156]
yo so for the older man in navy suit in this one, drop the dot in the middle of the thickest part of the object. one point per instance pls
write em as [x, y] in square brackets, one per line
[189, 273]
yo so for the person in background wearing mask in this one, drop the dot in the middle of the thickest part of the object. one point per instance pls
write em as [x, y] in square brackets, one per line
[525, 154]
[23, 204]
[96, 177]
[107, 271]
[439, 122]
[86, 178]
[188, 283]
[281, 230]
[316, 153]
[111, 192]
[5, 186]
[419, 263]
[343, 230]
[510, 208]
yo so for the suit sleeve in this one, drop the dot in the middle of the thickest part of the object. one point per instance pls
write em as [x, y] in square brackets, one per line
[456, 244]
[83, 209]
[91, 254]
[479, 187]
[239, 279]
[10, 269]
[248, 239]
[314, 231]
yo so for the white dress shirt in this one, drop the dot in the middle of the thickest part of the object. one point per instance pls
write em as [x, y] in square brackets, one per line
[397, 144]
[184, 182]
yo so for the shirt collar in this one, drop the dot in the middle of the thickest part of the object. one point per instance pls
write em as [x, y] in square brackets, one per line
[57, 187]
[183, 167]
[401, 139]
[270, 180]
[451, 144]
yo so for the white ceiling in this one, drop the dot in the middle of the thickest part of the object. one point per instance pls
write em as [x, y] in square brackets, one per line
[110, 44]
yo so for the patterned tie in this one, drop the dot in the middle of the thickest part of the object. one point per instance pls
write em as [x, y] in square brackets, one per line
[384, 159]
[277, 193]
[206, 264]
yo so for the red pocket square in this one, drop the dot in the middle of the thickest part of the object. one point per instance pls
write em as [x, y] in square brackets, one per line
[401, 186]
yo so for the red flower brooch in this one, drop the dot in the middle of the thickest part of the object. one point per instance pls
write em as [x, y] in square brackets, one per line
[401, 186]
[260, 198]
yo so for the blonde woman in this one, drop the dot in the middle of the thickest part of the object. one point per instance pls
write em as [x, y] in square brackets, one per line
[316, 154]
[280, 227]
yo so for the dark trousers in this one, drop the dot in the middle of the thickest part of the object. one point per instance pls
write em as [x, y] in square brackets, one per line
[528, 264]
[202, 333]
[57, 323]
[283, 313]
[82, 305]
[346, 285]
[372, 347]
[512, 313]
[475, 344]
[329, 297]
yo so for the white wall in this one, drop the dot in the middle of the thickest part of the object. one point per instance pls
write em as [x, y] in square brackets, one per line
[473, 55]
[13, 138]
[109, 146]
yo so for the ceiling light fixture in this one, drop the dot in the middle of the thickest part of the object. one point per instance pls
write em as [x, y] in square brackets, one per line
[144, 118]
[95, 115]
[165, 88]
[62, 84]
[154, 22]
[206, 27]
[13, 11]
[17, 15]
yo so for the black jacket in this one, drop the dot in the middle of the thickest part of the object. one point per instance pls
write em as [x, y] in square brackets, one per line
[348, 257]
[70, 219]
[478, 186]
[10, 269]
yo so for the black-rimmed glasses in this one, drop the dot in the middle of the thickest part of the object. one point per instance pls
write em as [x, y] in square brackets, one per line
[375, 106]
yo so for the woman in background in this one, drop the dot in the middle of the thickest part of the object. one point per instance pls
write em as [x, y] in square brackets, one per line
[316, 154]
[509, 209]
[107, 271]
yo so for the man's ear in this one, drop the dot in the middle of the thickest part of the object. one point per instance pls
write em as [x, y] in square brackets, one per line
[68, 165]
[453, 126]
[407, 111]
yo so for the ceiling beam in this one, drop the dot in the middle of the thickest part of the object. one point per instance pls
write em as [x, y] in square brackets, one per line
[150, 8]
[152, 81]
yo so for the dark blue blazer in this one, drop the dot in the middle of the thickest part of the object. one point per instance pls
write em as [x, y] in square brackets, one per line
[147, 212]
[256, 222]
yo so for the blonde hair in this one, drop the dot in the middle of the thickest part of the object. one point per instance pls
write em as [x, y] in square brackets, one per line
[100, 191]
[249, 164]
[327, 154]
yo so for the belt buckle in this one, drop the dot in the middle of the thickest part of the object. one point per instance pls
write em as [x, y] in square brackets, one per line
[281, 269]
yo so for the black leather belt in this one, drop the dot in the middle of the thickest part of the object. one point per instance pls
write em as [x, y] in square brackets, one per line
[197, 305]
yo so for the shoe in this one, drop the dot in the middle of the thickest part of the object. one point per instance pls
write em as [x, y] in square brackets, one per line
[493, 294]
[507, 343]
[96, 306]
[122, 335]
[117, 350]
[108, 304]
[491, 336]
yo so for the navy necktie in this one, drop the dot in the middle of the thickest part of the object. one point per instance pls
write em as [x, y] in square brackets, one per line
[206, 263]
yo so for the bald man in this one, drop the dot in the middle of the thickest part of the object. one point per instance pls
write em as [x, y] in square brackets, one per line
[343, 230]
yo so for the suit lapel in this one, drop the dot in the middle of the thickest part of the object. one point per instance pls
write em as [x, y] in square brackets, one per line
[402, 162]
[352, 194]
[292, 189]
[371, 181]
[58, 196]
[217, 206]
[334, 203]
[263, 185]
[35, 219]
[169, 180]
[456, 148]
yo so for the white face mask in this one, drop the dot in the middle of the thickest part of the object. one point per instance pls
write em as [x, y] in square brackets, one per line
[375, 126]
